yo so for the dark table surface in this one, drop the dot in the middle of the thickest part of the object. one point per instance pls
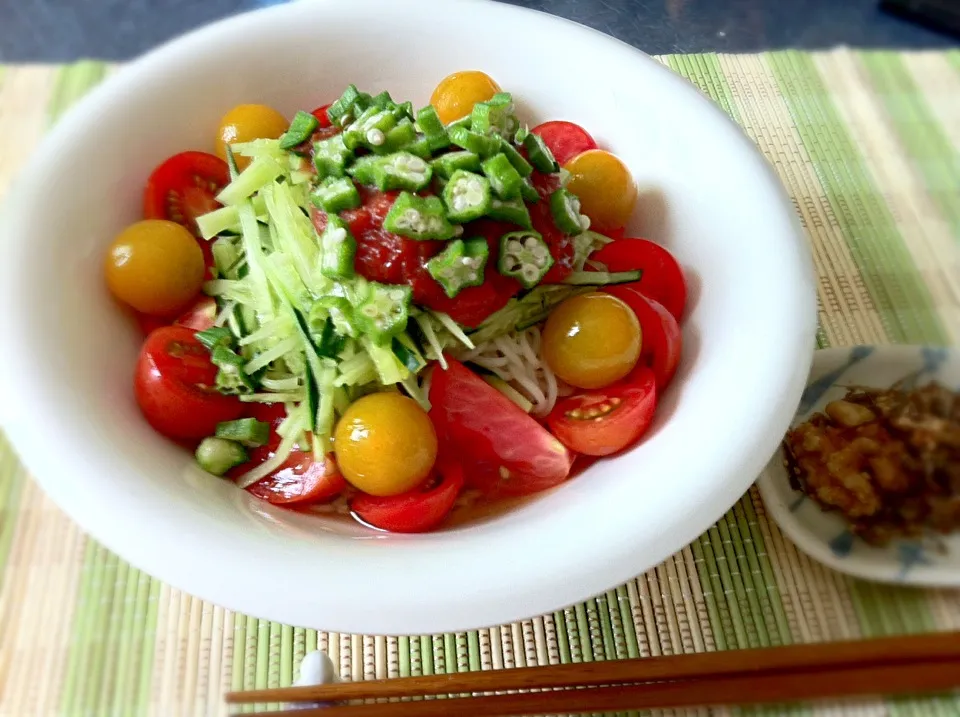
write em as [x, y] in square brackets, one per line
[65, 30]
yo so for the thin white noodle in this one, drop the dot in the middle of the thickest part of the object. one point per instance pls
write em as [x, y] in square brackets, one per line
[515, 358]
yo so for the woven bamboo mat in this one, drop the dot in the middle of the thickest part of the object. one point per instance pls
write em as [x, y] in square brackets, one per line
[869, 146]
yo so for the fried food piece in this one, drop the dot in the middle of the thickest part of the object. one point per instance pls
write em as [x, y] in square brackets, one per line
[887, 460]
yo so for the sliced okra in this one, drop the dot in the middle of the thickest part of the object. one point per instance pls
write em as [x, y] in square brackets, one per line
[524, 256]
[467, 196]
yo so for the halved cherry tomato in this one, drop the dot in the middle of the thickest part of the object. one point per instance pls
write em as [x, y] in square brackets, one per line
[198, 317]
[299, 481]
[174, 386]
[415, 511]
[565, 139]
[662, 278]
[662, 340]
[481, 426]
[601, 422]
[321, 114]
[184, 187]
[148, 324]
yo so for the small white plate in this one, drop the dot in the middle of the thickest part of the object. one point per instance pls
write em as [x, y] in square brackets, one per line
[824, 536]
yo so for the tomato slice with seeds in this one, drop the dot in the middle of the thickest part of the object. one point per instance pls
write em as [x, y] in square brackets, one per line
[565, 139]
[415, 511]
[300, 481]
[200, 316]
[662, 340]
[602, 422]
[662, 278]
[185, 187]
[174, 386]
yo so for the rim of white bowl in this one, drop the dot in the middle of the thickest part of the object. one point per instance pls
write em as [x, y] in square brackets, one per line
[565, 579]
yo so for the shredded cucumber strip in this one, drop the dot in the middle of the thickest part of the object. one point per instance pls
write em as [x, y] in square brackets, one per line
[260, 172]
[264, 359]
[358, 370]
[272, 397]
[426, 326]
[415, 392]
[280, 385]
[225, 313]
[227, 219]
[253, 249]
[271, 464]
[280, 326]
[295, 236]
[387, 365]
[454, 328]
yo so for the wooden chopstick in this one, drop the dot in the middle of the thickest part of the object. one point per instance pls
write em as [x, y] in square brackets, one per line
[731, 663]
[776, 687]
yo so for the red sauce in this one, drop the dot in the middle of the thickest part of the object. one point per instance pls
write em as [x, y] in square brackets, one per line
[390, 259]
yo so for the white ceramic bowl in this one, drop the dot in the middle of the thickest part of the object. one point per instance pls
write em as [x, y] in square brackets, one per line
[69, 354]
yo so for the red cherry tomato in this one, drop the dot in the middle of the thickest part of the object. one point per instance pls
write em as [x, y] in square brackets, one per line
[565, 139]
[174, 386]
[601, 422]
[183, 188]
[148, 324]
[662, 278]
[198, 317]
[298, 482]
[662, 340]
[481, 426]
[321, 114]
[415, 511]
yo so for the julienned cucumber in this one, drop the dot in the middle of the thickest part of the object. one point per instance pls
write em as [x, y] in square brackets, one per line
[601, 278]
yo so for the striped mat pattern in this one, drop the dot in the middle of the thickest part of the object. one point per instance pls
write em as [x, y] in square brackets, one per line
[868, 145]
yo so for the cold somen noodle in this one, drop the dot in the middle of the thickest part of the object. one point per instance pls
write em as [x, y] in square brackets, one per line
[516, 359]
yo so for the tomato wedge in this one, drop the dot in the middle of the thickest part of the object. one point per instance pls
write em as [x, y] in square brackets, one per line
[174, 382]
[482, 427]
[602, 422]
[662, 340]
[298, 482]
[662, 278]
[415, 511]
[565, 139]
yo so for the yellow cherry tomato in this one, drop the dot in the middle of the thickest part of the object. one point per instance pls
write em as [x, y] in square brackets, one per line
[592, 340]
[456, 94]
[385, 444]
[155, 266]
[605, 186]
[245, 123]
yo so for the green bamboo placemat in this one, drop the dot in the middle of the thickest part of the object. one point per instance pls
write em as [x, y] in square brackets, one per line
[868, 145]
